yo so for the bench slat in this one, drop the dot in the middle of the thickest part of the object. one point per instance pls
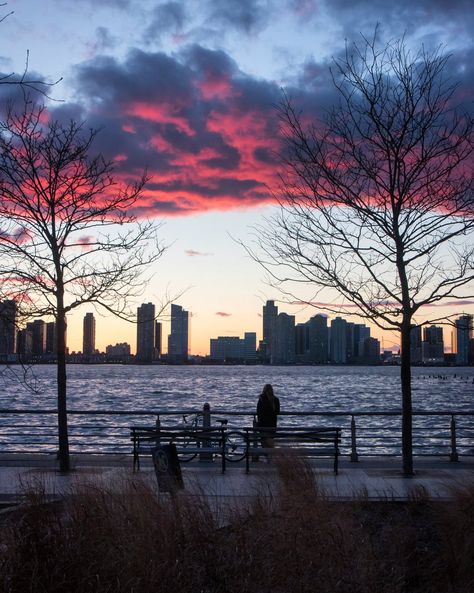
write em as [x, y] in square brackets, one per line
[144, 436]
[302, 440]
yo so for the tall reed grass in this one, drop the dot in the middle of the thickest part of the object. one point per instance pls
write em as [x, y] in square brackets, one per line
[126, 537]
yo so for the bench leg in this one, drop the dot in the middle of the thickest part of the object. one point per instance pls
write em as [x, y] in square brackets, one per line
[136, 461]
[136, 458]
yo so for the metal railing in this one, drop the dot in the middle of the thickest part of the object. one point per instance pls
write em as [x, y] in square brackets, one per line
[447, 433]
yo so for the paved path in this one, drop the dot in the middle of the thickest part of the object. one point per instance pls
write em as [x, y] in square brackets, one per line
[373, 478]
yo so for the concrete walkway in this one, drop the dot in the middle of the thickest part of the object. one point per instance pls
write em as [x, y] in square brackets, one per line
[374, 478]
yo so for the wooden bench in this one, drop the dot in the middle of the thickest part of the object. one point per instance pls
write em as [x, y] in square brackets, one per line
[305, 441]
[188, 441]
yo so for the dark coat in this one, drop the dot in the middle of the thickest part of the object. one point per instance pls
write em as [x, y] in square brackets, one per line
[266, 413]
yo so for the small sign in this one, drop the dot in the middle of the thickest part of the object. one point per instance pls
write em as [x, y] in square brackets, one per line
[167, 468]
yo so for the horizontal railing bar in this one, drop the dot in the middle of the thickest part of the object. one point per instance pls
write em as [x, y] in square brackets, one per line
[234, 412]
[102, 431]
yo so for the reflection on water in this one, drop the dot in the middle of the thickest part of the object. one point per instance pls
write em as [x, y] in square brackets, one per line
[234, 388]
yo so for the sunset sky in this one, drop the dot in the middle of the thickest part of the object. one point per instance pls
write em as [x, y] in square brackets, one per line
[188, 89]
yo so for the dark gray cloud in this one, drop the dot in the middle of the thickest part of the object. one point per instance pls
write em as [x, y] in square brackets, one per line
[207, 132]
[203, 129]
[104, 39]
[450, 18]
[34, 88]
[119, 4]
[249, 16]
[141, 76]
[265, 156]
[165, 19]
[304, 10]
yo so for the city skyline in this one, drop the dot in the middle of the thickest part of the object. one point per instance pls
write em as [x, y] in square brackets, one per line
[188, 91]
[431, 334]
[318, 340]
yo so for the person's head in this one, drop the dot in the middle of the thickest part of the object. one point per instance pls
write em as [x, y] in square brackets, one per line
[267, 391]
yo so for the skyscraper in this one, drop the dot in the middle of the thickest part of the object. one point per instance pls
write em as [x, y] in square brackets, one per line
[250, 346]
[270, 313]
[338, 340]
[8, 321]
[25, 342]
[318, 339]
[371, 351]
[283, 348]
[178, 340]
[158, 339]
[350, 342]
[146, 332]
[302, 342]
[88, 337]
[51, 338]
[416, 355]
[433, 345]
[38, 332]
[464, 327]
[360, 334]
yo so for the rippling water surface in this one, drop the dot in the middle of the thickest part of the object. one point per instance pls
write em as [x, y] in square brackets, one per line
[236, 388]
[318, 389]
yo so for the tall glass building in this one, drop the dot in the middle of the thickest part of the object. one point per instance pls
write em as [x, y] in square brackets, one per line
[270, 314]
[88, 336]
[8, 322]
[146, 333]
[178, 340]
[464, 325]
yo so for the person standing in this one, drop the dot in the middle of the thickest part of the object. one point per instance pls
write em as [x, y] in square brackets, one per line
[268, 408]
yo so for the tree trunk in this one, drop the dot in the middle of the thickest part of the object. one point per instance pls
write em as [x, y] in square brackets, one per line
[405, 376]
[64, 464]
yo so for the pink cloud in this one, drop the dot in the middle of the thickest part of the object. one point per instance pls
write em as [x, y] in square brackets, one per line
[222, 314]
[160, 113]
[193, 253]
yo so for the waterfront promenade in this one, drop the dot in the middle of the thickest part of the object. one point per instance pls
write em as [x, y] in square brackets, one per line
[374, 478]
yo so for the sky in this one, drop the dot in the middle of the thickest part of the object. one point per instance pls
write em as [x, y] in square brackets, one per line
[188, 90]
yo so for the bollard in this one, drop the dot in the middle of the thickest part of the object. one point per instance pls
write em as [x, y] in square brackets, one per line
[454, 454]
[206, 423]
[354, 456]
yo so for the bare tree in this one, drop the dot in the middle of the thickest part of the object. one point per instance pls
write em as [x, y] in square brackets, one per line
[376, 200]
[24, 81]
[68, 235]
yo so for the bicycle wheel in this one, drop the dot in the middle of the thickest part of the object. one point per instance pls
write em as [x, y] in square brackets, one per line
[189, 443]
[235, 446]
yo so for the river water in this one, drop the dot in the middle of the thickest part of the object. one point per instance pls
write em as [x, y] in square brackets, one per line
[313, 389]
[235, 388]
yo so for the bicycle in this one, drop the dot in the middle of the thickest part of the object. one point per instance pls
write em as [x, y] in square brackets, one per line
[235, 445]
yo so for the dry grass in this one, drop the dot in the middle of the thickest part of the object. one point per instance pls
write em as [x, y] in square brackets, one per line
[126, 538]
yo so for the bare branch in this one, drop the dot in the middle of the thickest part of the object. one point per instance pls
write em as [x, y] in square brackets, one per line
[66, 235]
[376, 201]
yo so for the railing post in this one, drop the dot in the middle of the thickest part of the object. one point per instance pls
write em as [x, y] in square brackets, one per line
[454, 454]
[158, 428]
[255, 438]
[354, 455]
[206, 423]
